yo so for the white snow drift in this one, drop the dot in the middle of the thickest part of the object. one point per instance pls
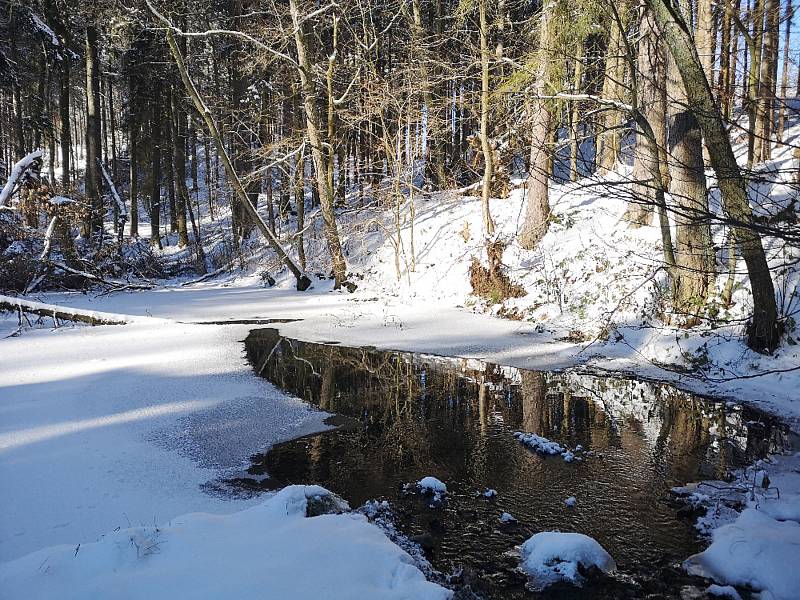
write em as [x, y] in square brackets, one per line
[267, 551]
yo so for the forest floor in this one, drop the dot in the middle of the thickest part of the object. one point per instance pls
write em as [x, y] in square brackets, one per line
[114, 427]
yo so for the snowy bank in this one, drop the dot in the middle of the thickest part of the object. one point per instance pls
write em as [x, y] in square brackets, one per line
[755, 551]
[754, 525]
[272, 550]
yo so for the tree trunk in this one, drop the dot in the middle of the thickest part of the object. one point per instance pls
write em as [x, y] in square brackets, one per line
[694, 257]
[486, 146]
[155, 174]
[537, 212]
[704, 36]
[575, 115]
[93, 141]
[753, 87]
[240, 140]
[133, 138]
[63, 110]
[763, 332]
[610, 138]
[785, 74]
[313, 128]
[652, 103]
[303, 282]
[762, 148]
[169, 146]
[725, 71]
[178, 126]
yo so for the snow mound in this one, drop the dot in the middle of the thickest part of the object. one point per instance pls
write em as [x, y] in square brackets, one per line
[268, 551]
[431, 484]
[755, 551]
[550, 556]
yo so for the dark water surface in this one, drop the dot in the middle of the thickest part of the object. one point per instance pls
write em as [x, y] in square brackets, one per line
[404, 416]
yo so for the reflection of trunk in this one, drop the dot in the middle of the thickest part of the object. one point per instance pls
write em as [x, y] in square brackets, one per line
[326, 388]
[535, 412]
[483, 408]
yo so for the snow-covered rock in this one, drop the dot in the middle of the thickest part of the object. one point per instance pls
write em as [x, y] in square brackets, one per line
[551, 556]
[755, 551]
[542, 445]
[539, 444]
[268, 551]
[507, 518]
[432, 485]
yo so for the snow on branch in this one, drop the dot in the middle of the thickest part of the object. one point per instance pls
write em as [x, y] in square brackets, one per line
[123, 211]
[16, 175]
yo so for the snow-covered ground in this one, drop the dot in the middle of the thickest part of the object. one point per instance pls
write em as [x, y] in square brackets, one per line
[107, 427]
[120, 426]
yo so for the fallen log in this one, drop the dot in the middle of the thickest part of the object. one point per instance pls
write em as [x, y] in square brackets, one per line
[63, 313]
